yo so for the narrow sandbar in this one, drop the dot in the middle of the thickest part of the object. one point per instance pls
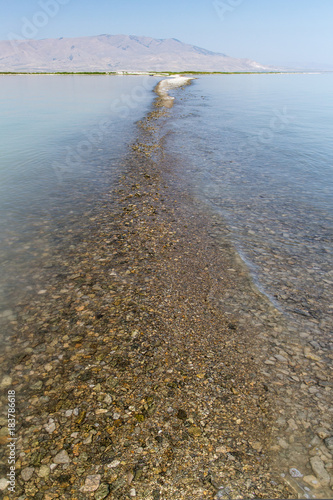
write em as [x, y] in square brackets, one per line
[163, 87]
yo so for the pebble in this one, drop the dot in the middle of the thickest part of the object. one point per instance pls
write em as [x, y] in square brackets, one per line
[50, 426]
[312, 481]
[27, 473]
[257, 446]
[61, 458]
[283, 443]
[295, 472]
[321, 473]
[91, 483]
[102, 491]
[322, 433]
[44, 471]
[114, 464]
[329, 443]
[3, 483]
[6, 382]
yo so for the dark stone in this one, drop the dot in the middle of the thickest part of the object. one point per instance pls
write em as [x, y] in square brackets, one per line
[156, 495]
[181, 414]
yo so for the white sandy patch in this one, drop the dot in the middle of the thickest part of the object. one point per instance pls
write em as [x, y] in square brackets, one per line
[164, 86]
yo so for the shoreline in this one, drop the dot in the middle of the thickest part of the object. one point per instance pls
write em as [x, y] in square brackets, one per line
[163, 73]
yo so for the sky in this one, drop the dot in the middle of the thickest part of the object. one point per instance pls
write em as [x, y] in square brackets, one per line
[276, 32]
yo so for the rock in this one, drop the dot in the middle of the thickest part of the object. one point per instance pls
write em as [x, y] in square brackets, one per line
[130, 477]
[221, 449]
[6, 381]
[292, 425]
[181, 414]
[283, 443]
[44, 471]
[295, 472]
[50, 426]
[319, 469]
[91, 484]
[223, 494]
[311, 481]
[329, 443]
[132, 493]
[102, 491]
[281, 358]
[37, 385]
[194, 431]
[61, 458]
[257, 446]
[27, 473]
[114, 464]
[156, 495]
[322, 433]
[3, 483]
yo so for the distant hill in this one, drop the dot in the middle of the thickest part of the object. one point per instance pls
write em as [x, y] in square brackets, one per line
[115, 53]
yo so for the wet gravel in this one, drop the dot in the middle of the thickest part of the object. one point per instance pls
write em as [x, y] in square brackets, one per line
[146, 364]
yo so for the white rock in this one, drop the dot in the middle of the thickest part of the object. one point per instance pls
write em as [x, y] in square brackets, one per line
[6, 381]
[221, 449]
[50, 426]
[114, 464]
[295, 472]
[3, 483]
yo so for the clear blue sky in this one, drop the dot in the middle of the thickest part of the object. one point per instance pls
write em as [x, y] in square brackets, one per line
[269, 31]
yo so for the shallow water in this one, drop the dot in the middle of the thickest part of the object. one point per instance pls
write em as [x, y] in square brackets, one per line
[255, 152]
[236, 153]
[63, 143]
[258, 150]
[56, 130]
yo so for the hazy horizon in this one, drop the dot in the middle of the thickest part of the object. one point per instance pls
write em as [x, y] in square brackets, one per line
[279, 33]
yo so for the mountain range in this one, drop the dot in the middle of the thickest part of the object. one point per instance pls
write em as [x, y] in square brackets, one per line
[115, 53]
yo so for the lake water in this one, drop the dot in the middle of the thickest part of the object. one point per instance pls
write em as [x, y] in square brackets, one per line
[254, 150]
[258, 150]
[63, 140]
[57, 131]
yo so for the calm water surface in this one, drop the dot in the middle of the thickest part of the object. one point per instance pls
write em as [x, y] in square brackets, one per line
[258, 149]
[63, 141]
[57, 130]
